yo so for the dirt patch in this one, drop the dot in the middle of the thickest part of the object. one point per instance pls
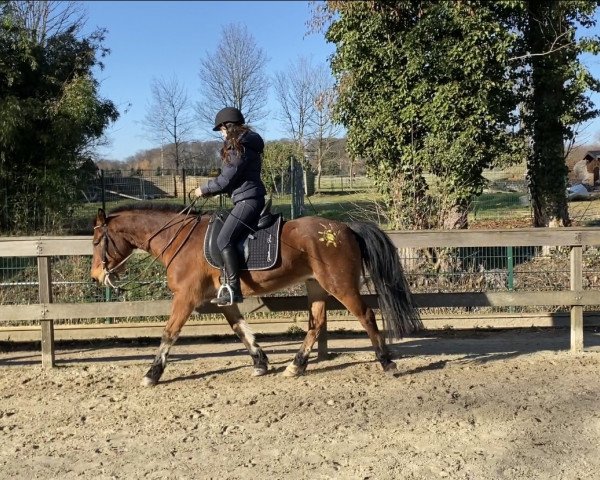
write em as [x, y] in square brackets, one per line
[475, 405]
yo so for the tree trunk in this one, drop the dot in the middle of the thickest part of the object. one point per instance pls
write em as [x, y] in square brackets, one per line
[455, 218]
[546, 167]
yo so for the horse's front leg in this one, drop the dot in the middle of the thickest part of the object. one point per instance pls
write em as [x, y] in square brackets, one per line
[242, 330]
[181, 309]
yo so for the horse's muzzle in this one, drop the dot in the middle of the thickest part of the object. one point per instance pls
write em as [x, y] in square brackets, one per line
[102, 276]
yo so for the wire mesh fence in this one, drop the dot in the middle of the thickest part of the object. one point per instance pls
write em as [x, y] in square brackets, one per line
[441, 270]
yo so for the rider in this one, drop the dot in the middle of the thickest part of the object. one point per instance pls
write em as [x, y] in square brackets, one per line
[240, 178]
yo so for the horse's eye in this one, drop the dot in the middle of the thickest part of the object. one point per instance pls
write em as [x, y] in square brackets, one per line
[96, 243]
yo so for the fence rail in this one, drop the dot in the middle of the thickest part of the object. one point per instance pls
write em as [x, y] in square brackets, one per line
[576, 298]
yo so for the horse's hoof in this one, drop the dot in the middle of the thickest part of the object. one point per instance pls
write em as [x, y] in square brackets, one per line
[390, 367]
[259, 371]
[292, 371]
[148, 382]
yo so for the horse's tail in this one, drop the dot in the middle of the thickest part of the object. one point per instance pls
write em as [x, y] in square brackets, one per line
[382, 262]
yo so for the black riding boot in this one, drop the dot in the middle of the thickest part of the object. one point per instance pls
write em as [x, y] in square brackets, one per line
[230, 292]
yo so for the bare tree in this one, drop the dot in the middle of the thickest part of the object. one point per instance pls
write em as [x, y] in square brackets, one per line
[326, 130]
[45, 18]
[169, 118]
[203, 156]
[305, 95]
[233, 76]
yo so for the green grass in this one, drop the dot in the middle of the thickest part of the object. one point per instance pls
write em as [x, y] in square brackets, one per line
[348, 206]
[499, 205]
[344, 206]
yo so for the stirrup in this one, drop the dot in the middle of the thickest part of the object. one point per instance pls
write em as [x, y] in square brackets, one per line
[222, 301]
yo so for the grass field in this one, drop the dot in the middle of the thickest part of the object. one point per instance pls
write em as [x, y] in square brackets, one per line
[345, 206]
[501, 207]
[349, 199]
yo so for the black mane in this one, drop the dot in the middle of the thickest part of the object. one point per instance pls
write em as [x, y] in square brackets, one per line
[156, 207]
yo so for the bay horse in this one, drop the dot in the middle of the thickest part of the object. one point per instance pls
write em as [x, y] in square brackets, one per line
[334, 253]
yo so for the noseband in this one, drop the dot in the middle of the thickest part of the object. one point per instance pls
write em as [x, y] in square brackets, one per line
[108, 272]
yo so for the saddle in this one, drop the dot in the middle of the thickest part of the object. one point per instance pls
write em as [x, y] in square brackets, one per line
[258, 250]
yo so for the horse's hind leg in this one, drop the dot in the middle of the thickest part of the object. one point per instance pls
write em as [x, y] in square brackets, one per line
[317, 316]
[180, 312]
[357, 307]
[242, 330]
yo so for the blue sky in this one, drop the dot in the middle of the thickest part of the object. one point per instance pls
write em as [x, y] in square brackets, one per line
[163, 38]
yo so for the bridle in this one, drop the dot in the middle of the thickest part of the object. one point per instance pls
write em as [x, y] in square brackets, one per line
[108, 272]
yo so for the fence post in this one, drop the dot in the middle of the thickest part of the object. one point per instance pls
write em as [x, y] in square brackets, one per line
[183, 186]
[108, 298]
[103, 186]
[576, 310]
[293, 188]
[510, 265]
[45, 297]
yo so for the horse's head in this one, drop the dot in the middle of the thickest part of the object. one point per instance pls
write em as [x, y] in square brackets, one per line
[111, 250]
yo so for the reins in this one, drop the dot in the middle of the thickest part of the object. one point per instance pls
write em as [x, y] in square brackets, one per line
[186, 210]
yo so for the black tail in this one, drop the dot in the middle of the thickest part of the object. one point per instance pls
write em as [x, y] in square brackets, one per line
[380, 257]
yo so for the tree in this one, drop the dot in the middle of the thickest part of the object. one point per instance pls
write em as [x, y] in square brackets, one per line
[43, 19]
[554, 85]
[205, 156]
[305, 95]
[451, 88]
[50, 116]
[233, 76]
[294, 90]
[422, 89]
[276, 165]
[325, 131]
[169, 118]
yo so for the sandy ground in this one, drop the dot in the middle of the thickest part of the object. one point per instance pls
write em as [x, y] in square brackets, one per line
[479, 405]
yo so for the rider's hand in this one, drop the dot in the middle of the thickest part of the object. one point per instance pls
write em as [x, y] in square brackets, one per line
[198, 192]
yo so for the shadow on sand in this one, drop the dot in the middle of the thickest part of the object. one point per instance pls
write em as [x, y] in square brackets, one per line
[480, 346]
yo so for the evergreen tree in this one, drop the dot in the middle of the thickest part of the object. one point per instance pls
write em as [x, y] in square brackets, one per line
[50, 117]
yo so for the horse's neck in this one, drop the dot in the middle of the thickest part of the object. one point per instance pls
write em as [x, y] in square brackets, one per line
[146, 230]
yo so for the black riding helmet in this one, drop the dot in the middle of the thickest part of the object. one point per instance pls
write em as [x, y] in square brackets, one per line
[228, 115]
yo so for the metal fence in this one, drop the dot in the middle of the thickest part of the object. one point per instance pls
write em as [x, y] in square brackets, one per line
[505, 197]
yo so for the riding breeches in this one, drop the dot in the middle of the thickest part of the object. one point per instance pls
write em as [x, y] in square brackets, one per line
[241, 220]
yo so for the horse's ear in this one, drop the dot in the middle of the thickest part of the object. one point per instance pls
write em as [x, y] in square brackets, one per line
[101, 217]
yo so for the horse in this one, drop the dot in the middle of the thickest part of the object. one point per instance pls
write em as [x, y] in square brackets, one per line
[334, 253]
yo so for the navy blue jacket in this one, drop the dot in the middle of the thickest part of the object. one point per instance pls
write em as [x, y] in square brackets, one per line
[240, 176]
